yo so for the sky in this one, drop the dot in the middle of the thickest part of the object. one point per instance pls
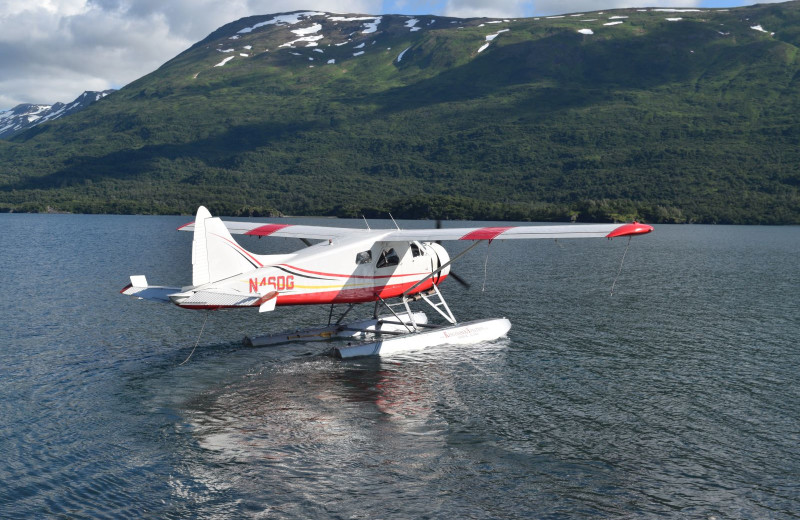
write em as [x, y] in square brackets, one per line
[53, 50]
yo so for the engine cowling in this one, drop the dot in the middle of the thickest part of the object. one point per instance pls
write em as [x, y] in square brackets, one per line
[440, 257]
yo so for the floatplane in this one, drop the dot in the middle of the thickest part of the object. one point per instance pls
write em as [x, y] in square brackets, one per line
[390, 268]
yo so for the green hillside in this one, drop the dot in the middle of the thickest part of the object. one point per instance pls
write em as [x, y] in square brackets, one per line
[663, 116]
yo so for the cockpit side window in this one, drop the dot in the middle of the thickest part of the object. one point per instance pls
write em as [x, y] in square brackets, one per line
[415, 250]
[388, 258]
[364, 257]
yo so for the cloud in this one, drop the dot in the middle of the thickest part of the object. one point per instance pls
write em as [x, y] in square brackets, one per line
[552, 7]
[519, 8]
[484, 8]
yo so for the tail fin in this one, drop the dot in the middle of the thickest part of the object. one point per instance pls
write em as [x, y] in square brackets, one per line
[215, 254]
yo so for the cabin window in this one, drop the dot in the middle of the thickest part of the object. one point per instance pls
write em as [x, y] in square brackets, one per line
[388, 258]
[415, 250]
[364, 257]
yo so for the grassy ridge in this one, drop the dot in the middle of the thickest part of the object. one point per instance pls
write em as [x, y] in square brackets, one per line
[689, 121]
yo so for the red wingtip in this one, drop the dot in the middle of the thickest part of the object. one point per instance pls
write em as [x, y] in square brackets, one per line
[126, 288]
[187, 224]
[634, 228]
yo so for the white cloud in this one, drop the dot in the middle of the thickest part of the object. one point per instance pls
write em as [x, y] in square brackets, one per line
[65, 7]
[549, 7]
[486, 8]
[516, 8]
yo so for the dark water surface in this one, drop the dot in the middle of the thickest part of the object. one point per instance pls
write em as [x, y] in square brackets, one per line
[677, 397]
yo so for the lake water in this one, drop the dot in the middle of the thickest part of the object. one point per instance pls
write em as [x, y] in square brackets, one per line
[677, 397]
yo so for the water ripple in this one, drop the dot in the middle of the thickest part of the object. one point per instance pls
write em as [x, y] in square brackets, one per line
[677, 397]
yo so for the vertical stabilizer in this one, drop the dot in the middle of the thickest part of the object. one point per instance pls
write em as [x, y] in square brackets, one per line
[199, 252]
[215, 254]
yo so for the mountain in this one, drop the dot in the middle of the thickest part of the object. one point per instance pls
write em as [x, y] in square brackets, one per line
[666, 115]
[26, 115]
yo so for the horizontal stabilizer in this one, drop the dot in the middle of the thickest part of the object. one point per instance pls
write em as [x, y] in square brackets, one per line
[218, 299]
[139, 288]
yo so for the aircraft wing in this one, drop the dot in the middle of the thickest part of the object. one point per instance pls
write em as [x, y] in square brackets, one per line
[522, 232]
[260, 229]
[430, 235]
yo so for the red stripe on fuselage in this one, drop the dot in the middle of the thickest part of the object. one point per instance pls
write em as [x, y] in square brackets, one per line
[267, 230]
[363, 295]
[487, 233]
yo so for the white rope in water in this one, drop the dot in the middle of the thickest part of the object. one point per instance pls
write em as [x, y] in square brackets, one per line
[485, 265]
[196, 342]
[620, 264]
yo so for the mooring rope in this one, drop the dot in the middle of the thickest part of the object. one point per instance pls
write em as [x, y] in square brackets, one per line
[485, 265]
[620, 264]
[196, 342]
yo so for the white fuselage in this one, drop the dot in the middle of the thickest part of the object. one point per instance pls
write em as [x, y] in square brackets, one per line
[348, 270]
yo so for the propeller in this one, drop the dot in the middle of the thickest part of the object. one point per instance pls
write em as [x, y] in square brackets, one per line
[455, 277]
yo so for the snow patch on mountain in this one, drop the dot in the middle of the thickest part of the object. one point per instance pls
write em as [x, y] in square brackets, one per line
[308, 30]
[373, 26]
[28, 115]
[370, 27]
[311, 40]
[411, 24]
[284, 19]
[761, 29]
[400, 56]
[490, 38]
